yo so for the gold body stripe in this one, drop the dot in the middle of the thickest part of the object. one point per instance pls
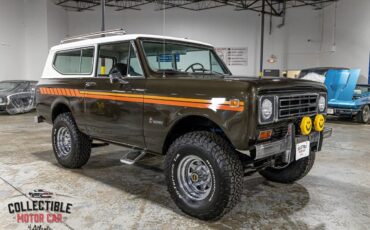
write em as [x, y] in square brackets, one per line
[148, 99]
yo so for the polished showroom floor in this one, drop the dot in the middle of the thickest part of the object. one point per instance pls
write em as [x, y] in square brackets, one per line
[106, 194]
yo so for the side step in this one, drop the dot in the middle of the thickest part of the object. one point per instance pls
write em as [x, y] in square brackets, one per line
[132, 156]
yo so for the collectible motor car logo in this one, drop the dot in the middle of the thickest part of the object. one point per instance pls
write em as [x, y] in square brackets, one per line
[40, 207]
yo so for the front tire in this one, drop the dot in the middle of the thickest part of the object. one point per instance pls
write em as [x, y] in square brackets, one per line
[291, 173]
[71, 147]
[364, 115]
[204, 175]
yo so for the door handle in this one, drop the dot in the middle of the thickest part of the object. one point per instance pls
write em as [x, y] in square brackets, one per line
[90, 84]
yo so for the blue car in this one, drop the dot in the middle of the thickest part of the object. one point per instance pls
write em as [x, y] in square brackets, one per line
[345, 96]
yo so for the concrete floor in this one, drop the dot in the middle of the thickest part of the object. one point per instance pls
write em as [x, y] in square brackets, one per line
[109, 195]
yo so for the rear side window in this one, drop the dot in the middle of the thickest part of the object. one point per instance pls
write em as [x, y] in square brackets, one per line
[74, 61]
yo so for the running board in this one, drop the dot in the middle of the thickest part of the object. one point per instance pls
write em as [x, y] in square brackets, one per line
[132, 156]
[97, 145]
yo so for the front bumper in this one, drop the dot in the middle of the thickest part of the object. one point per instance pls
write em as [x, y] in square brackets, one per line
[287, 144]
[342, 111]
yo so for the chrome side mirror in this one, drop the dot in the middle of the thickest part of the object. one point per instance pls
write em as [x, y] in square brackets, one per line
[115, 77]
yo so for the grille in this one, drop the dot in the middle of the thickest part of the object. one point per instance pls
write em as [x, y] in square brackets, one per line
[279, 132]
[297, 105]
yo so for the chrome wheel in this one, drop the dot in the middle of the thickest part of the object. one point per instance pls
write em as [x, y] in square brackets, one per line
[194, 177]
[64, 142]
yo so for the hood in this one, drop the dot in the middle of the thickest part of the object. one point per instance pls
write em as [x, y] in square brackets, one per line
[341, 84]
[273, 84]
[262, 85]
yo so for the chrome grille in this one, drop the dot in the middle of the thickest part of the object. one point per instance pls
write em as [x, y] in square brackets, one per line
[297, 105]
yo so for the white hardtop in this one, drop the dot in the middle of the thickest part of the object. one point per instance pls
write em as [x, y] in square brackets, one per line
[116, 38]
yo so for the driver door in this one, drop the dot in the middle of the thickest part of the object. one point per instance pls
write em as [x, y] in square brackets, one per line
[114, 110]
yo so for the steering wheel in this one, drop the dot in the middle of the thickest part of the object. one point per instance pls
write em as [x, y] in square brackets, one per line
[196, 69]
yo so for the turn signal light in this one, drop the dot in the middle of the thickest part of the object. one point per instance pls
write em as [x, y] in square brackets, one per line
[234, 103]
[319, 122]
[306, 126]
[263, 135]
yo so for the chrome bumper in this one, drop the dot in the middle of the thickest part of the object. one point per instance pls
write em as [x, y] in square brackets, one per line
[285, 145]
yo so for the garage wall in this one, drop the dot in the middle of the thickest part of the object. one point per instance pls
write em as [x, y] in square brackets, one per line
[11, 39]
[28, 29]
[351, 37]
[222, 27]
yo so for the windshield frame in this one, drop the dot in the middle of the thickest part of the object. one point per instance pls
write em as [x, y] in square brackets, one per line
[191, 44]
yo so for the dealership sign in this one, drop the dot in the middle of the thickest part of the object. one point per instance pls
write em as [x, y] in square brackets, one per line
[40, 208]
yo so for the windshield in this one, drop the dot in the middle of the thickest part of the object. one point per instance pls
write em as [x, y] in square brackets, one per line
[183, 58]
[7, 86]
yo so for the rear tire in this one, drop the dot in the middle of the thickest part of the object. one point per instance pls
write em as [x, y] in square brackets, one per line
[71, 147]
[364, 115]
[293, 172]
[204, 175]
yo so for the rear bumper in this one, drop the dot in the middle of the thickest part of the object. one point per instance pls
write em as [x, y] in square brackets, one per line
[287, 144]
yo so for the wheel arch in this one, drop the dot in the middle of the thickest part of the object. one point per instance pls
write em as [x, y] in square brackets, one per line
[192, 123]
[58, 107]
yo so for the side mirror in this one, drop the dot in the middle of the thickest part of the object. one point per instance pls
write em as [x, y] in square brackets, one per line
[115, 77]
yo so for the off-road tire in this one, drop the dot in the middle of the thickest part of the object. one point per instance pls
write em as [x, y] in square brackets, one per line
[225, 168]
[296, 170]
[80, 143]
[364, 115]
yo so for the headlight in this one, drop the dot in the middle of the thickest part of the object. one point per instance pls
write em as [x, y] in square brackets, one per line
[322, 104]
[267, 106]
[266, 109]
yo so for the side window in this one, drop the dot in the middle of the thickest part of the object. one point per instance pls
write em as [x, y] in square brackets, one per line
[87, 61]
[68, 62]
[135, 68]
[113, 56]
[74, 61]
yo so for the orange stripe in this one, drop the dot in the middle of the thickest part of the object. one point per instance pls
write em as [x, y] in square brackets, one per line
[172, 101]
[70, 92]
[129, 99]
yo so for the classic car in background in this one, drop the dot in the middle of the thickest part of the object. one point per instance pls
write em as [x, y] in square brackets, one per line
[17, 96]
[317, 74]
[345, 96]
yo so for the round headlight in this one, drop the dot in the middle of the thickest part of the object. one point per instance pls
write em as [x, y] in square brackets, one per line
[322, 104]
[266, 109]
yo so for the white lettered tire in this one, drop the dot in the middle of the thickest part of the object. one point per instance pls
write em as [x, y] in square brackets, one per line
[204, 175]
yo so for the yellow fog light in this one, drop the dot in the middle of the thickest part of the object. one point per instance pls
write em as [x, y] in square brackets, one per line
[306, 126]
[319, 122]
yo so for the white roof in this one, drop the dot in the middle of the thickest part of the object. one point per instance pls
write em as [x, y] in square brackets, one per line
[93, 41]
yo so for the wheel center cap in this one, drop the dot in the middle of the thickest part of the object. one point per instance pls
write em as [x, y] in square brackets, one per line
[194, 177]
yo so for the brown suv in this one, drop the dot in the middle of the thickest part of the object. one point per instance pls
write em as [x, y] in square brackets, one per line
[171, 96]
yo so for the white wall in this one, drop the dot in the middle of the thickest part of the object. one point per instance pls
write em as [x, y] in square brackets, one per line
[351, 36]
[36, 43]
[30, 27]
[11, 39]
[222, 27]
